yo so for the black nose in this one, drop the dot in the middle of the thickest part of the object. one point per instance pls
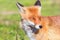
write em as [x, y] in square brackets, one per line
[40, 26]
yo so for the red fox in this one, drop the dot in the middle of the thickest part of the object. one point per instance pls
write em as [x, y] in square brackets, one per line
[39, 27]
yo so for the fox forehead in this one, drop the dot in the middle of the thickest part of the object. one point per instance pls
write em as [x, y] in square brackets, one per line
[31, 12]
[33, 9]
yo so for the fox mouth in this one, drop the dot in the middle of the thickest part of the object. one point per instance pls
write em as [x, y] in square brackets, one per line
[34, 30]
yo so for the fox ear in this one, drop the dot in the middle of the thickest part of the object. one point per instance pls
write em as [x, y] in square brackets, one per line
[20, 7]
[38, 3]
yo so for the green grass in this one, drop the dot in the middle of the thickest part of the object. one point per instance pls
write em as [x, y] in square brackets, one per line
[48, 7]
[7, 32]
[12, 30]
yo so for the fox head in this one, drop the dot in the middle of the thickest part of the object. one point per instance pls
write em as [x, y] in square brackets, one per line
[31, 14]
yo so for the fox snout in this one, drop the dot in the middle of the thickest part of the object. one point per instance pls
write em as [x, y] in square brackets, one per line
[32, 24]
[35, 28]
[38, 26]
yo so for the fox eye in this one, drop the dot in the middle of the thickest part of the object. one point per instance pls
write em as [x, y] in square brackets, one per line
[33, 18]
[39, 18]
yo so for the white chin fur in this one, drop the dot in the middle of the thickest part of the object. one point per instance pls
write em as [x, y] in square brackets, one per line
[37, 27]
[31, 23]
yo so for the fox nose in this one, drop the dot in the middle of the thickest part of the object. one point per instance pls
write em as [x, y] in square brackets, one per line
[38, 26]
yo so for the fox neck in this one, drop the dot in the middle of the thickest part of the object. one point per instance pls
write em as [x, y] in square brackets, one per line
[28, 30]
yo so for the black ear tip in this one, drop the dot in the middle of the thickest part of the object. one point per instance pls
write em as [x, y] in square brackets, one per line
[19, 4]
[38, 3]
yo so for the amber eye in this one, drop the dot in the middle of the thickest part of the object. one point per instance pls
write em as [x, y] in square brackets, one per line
[33, 18]
[39, 18]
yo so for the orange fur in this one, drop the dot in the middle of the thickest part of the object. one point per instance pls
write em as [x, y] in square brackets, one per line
[50, 25]
[51, 28]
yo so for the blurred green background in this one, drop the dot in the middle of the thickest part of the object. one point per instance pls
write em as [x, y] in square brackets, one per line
[10, 18]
